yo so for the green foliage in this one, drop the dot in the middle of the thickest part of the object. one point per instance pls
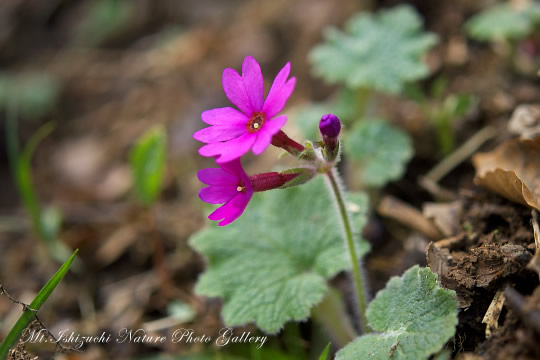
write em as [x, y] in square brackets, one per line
[325, 352]
[28, 315]
[269, 267]
[378, 51]
[382, 150]
[45, 224]
[503, 22]
[442, 111]
[414, 317]
[454, 107]
[147, 160]
[33, 94]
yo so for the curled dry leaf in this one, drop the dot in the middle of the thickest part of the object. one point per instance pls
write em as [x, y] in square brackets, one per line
[512, 170]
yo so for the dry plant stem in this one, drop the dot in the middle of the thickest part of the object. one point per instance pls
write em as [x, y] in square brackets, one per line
[355, 261]
[461, 154]
[536, 228]
[25, 307]
[4, 292]
[409, 216]
[534, 264]
[491, 318]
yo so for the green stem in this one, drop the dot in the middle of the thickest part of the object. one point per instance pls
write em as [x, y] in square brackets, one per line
[332, 315]
[357, 274]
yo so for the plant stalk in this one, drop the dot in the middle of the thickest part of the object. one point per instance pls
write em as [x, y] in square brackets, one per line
[357, 274]
[332, 315]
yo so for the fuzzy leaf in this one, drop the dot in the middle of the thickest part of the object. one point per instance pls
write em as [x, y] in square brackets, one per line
[382, 150]
[415, 318]
[271, 265]
[148, 164]
[503, 21]
[378, 51]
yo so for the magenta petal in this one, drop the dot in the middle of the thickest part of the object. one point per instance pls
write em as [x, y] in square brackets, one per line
[231, 210]
[230, 150]
[218, 194]
[278, 83]
[219, 133]
[224, 116]
[214, 176]
[233, 167]
[278, 97]
[253, 82]
[233, 85]
[264, 137]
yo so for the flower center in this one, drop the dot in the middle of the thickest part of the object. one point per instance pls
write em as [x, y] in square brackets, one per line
[240, 188]
[256, 122]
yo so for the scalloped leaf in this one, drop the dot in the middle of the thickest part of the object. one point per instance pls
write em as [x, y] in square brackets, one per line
[271, 265]
[415, 318]
[382, 150]
[380, 51]
[503, 21]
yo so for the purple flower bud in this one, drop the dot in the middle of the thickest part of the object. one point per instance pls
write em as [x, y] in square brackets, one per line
[330, 126]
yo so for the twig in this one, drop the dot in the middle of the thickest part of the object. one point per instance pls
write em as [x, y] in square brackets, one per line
[536, 228]
[57, 343]
[461, 154]
[409, 216]
[491, 318]
[25, 307]
[534, 264]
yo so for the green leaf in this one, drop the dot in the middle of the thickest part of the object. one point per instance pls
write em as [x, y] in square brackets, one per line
[414, 316]
[271, 265]
[148, 164]
[28, 315]
[325, 352]
[457, 105]
[379, 51]
[382, 150]
[502, 22]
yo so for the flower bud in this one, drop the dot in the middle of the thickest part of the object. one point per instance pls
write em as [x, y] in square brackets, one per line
[330, 126]
[280, 180]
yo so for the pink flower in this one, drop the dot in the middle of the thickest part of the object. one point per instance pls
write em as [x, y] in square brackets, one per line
[233, 133]
[229, 185]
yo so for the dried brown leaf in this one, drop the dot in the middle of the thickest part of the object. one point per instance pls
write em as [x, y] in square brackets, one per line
[512, 170]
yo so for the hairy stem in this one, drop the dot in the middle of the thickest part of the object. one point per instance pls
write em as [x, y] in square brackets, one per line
[355, 261]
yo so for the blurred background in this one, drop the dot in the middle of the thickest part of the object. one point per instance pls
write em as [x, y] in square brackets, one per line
[90, 77]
